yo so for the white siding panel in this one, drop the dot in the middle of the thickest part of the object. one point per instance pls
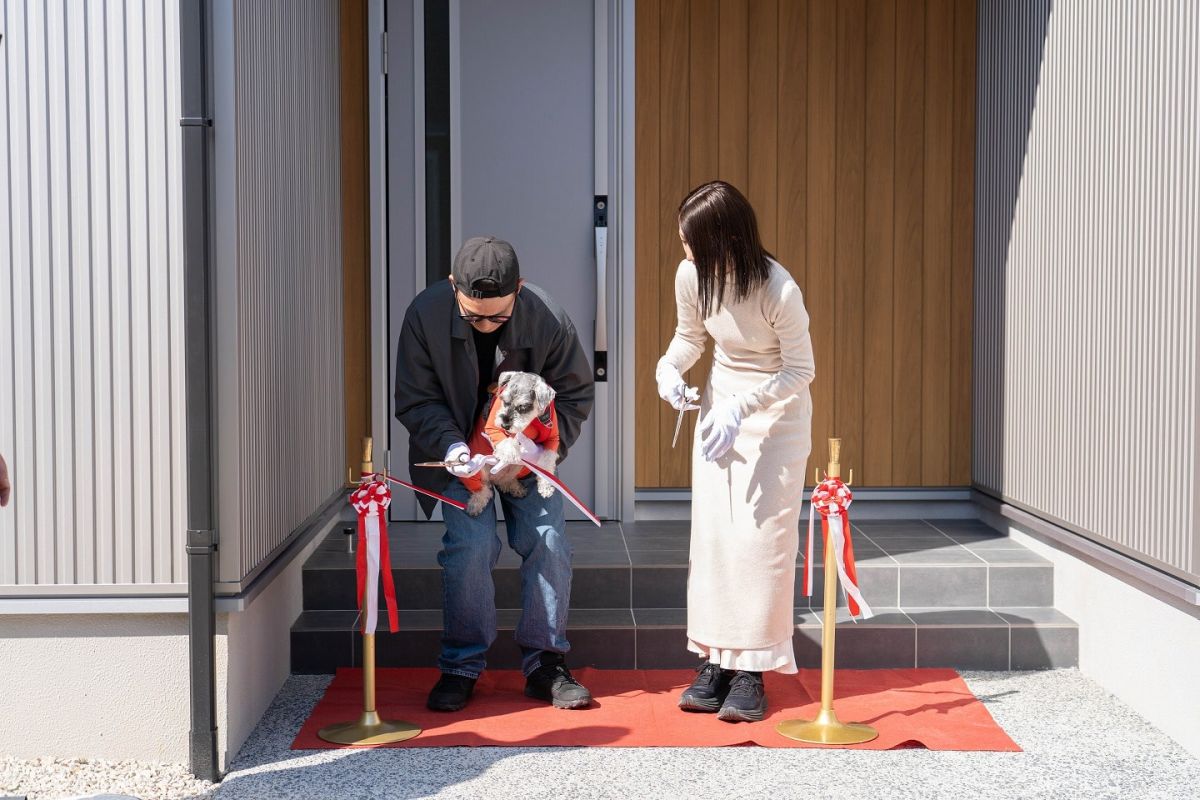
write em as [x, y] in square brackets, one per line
[90, 358]
[1087, 269]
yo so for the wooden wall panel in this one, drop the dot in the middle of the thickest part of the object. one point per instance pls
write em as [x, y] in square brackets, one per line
[649, 267]
[908, 243]
[356, 229]
[879, 232]
[850, 126]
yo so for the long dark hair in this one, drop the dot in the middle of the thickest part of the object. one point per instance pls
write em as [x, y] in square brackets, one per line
[719, 226]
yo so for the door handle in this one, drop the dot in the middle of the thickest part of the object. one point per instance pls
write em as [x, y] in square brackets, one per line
[600, 222]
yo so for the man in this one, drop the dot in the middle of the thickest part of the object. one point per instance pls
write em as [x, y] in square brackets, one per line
[458, 336]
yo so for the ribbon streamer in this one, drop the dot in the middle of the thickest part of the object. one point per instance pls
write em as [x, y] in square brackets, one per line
[426, 492]
[370, 500]
[562, 487]
[832, 499]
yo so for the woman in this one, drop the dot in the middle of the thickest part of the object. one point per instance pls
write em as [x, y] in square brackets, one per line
[749, 452]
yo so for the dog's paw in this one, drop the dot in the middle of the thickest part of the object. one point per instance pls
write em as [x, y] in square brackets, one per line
[478, 502]
[545, 487]
[516, 489]
[508, 451]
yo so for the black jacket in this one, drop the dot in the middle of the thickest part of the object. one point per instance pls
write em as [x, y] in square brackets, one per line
[437, 373]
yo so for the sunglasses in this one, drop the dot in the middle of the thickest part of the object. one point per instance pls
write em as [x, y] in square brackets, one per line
[477, 318]
[474, 318]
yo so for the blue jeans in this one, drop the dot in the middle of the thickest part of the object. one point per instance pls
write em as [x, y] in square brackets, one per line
[470, 549]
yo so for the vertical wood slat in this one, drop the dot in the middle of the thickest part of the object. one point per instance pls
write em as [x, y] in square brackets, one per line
[879, 227]
[648, 265]
[962, 243]
[848, 327]
[792, 166]
[908, 251]
[762, 151]
[675, 465]
[704, 98]
[355, 191]
[833, 157]
[90, 237]
[819, 295]
[937, 239]
[732, 113]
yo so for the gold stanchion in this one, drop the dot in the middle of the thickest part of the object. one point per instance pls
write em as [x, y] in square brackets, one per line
[369, 729]
[827, 728]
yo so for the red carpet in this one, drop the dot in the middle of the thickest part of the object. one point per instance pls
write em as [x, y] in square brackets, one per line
[930, 708]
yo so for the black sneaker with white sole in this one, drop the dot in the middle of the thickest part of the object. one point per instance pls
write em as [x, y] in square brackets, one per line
[747, 699]
[708, 691]
[450, 693]
[553, 682]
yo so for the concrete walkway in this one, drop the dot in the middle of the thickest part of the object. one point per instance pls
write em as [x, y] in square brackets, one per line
[1079, 742]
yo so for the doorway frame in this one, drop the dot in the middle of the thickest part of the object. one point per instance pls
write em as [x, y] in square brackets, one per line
[614, 414]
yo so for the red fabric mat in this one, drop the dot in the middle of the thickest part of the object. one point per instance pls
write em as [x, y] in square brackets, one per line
[931, 708]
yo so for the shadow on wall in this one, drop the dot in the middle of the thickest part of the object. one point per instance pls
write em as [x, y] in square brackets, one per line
[1010, 52]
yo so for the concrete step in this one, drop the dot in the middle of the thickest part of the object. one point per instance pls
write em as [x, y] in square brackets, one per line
[939, 564]
[997, 638]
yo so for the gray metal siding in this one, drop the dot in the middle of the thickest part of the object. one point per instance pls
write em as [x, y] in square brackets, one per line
[91, 390]
[280, 277]
[1087, 256]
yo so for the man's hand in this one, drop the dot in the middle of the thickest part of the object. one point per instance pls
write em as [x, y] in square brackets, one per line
[465, 465]
[530, 451]
[5, 484]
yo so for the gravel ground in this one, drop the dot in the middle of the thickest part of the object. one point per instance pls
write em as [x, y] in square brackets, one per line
[83, 777]
[1079, 741]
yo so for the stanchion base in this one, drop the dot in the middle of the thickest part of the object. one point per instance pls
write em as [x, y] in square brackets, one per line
[369, 729]
[826, 729]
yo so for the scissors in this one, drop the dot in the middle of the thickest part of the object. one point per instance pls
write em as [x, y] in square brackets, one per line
[690, 397]
[464, 458]
[443, 464]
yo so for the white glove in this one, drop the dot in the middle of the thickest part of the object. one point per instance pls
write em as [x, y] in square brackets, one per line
[467, 464]
[720, 428]
[530, 451]
[672, 388]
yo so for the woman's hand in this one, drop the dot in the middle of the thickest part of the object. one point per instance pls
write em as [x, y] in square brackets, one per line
[673, 389]
[720, 428]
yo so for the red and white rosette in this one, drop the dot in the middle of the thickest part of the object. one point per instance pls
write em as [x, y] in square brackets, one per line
[831, 499]
[370, 500]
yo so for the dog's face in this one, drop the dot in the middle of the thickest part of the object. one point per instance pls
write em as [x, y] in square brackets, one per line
[523, 397]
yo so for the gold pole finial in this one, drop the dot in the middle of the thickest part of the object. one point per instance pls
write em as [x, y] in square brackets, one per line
[834, 469]
[367, 464]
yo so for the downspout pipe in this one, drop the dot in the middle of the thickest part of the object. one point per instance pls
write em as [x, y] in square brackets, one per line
[195, 40]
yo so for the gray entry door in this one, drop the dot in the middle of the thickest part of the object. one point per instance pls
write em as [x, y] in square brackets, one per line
[522, 100]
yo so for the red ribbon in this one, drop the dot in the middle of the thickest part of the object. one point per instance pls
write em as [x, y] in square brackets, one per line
[832, 498]
[426, 492]
[374, 496]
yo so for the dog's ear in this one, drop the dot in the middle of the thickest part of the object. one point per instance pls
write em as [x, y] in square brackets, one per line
[504, 378]
[543, 394]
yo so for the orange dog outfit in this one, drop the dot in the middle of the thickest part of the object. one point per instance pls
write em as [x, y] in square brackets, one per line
[543, 431]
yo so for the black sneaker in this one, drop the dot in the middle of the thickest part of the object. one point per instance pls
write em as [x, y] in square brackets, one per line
[746, 701]
[708, 691]
[450, 693]
[553, 683]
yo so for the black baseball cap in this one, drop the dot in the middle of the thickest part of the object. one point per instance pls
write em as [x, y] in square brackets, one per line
[486, 267]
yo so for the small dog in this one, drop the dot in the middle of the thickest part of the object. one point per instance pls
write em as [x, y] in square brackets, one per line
[522, 403]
